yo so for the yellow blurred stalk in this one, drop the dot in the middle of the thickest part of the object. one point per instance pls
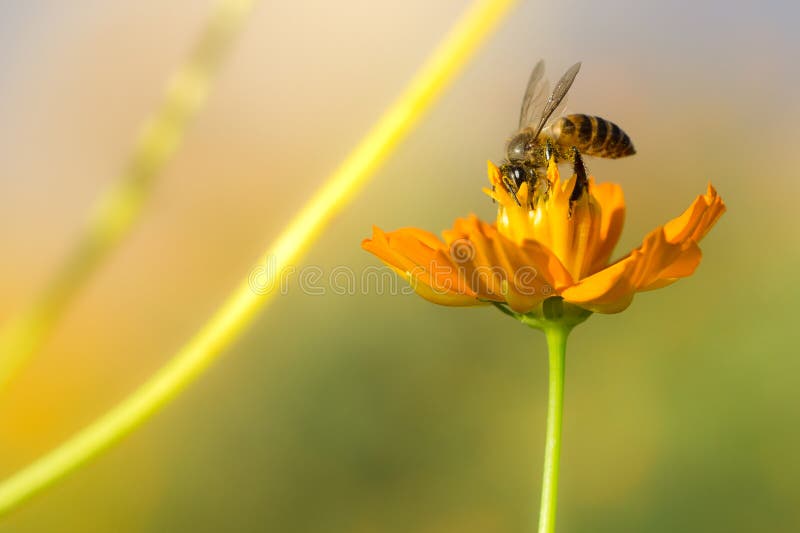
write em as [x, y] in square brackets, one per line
[238, 311]
[119, 209]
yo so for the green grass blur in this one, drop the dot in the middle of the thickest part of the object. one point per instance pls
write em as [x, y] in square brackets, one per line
[369, 412]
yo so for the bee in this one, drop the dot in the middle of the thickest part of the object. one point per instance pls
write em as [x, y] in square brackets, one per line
[545, 134]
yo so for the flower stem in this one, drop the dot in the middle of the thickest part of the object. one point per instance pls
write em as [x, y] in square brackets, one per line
[557, 347]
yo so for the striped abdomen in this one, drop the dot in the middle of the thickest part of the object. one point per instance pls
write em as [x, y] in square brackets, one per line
[593, 136]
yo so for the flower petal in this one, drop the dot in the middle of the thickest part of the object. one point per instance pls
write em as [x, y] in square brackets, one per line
[475, 263]
[612, 204]
[683, 266]
[448, 298]
[607, 291]
[521, 274]
[656, 263]
[580, 232]
[667, 254]
[421, 259]
[654, 256]
[698, 219]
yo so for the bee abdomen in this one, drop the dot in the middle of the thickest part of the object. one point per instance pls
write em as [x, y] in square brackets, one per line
[593, 136]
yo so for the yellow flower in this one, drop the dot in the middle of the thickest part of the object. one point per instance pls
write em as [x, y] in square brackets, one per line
[556, 249]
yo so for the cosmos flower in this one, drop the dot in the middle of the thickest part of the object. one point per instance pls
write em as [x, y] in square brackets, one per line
[560, 248]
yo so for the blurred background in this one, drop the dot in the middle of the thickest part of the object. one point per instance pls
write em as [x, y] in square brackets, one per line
[383, 413]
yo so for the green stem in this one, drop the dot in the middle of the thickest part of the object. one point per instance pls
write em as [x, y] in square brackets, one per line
[557, 347]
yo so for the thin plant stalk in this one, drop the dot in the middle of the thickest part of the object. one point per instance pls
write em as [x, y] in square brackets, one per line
[556, 335]
[116, 212]
[238, 311]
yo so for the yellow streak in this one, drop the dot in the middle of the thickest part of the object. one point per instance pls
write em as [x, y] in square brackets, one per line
[119, 208]
[238, 311]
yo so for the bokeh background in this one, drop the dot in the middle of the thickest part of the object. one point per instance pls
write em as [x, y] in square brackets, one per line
[382, 413]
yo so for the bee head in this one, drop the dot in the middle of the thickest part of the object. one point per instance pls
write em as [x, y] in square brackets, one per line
[518, 147]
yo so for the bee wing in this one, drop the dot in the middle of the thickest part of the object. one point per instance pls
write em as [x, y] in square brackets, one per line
[535, 97]
[557, 98]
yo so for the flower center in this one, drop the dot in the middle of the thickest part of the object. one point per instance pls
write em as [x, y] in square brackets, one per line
[564, 216]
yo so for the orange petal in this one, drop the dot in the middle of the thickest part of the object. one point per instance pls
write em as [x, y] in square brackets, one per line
[667, 254]
[655, 264]
[528, 271]
[612, 204]
[474, 263]
[698, 219]
[448, 298]
[379, 245]
[671, 252]
[682, 266]
[607, 291]
[420, 258]
[655, 256]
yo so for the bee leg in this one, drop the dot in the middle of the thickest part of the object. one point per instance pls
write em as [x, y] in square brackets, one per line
[581, 179]
[511, 187]
[531, 200]
[548, 151]
[543, 187]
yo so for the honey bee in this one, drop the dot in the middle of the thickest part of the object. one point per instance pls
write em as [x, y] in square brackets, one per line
[544, 134]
